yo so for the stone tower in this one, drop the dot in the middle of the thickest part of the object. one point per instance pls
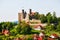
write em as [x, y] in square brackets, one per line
[24, 16]
[20, 17]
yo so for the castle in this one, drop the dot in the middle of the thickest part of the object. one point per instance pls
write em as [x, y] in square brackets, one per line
[30, 19]
[27, 17]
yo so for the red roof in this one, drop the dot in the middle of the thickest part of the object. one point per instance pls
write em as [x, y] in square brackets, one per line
[55, 35]
[5, 32]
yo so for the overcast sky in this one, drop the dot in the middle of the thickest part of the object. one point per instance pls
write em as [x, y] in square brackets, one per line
[9, 8]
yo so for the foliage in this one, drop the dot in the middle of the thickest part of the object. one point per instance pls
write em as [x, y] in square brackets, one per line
[58, 27]
[7, 25]
[49, 28]
[54, 19]
[49, 17]
[18, 28]
[35, 31]
[37, 15]
[13, 32]
[43, 18]
[53, 26]
[58, 19]
[26, 29]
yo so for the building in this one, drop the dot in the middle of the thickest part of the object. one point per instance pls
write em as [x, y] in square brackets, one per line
[24, 16]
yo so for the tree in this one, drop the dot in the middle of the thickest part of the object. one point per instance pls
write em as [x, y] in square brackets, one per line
[54, 18]
[1, 24]
[26, 29]
[43, 18]
[48, 29]
[19, 28]
[13, 31]
[49, 17]
[58, 27]
[37, 15]
[58, 19]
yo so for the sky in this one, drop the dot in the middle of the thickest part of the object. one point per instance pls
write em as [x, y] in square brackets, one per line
[9, 8]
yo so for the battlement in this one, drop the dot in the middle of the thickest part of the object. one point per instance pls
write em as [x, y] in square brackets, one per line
[24, 16]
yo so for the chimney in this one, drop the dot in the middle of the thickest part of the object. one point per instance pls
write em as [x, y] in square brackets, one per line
[23, 11]
[30, 11]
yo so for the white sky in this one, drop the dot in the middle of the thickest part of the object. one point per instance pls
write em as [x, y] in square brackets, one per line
[9, 8]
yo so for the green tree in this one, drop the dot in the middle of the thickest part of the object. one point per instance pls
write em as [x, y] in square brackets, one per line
[1, 24]
[49, 27]
[19, 28]
[26, 29]
[13, 31]
[43, 18]
[49, 17]
[58, 27]
[54, 18]
[8, 25]
[37, 15]
[58, 19]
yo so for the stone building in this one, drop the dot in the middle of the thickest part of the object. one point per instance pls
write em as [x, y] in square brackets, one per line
[24, 16]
